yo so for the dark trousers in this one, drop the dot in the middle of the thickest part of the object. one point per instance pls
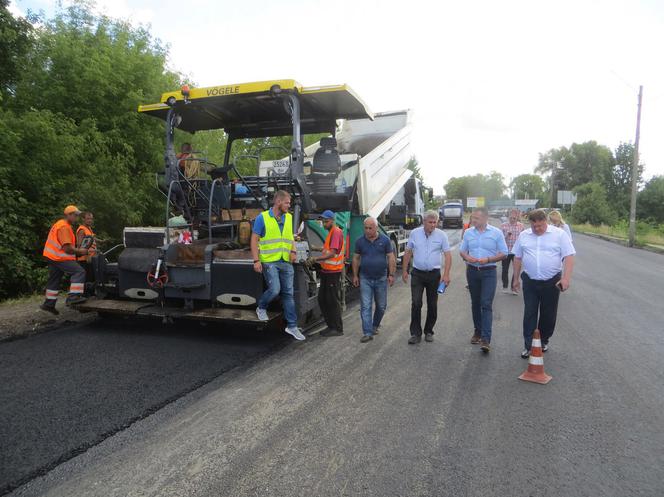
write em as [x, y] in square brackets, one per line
[328, 300]
[506, 269]
[540, 298]
[419, 282]
[179, 200]
[56, 270]
[482, 286]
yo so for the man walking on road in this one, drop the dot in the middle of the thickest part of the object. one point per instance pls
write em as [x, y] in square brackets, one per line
[546, 255]
[332, 264]
[482, 247]
[374, 265]
[60, 250]
[511, 231]
[425, 246]
[273, 251]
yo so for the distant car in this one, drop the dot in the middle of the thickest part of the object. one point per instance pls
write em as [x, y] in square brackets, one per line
[451, 215]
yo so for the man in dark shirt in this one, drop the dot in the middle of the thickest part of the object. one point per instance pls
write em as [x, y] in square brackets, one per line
[374, 265]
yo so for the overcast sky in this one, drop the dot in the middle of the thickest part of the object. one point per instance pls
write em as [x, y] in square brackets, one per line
[491, 84]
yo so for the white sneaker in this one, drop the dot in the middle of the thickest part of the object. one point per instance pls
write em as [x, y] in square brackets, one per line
[296, 332]
[507, 290]
[513, 292]
[525, 354]
[262, 314]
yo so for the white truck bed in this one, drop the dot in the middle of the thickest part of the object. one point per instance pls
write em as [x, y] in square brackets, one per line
[382, 149]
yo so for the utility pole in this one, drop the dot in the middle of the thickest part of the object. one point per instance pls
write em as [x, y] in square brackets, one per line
[553, 183]
[635, 173]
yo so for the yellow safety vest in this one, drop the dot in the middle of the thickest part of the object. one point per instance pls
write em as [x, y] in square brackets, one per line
[276, 245]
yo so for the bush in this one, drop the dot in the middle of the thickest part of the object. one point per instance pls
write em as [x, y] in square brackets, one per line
[592, 206]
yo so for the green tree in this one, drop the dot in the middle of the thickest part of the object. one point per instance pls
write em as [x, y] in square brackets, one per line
[620, 188]
[70, 133]
[592, 205]
[579, 164]
[650, 201]
[528, 186]
[491, 187]
[16, 41]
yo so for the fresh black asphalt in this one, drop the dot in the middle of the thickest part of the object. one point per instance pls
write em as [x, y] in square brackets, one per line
[66, 390]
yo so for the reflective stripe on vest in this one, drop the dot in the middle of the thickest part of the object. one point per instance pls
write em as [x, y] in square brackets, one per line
[52, 248]
[335, 263]
[91, 251]
[275, 244]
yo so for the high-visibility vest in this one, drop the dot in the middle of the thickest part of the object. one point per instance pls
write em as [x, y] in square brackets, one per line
[53, 248]
[276, 245]
[93, 248]
[336, 263]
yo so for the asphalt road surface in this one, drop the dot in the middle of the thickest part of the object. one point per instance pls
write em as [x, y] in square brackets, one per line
[337, 417]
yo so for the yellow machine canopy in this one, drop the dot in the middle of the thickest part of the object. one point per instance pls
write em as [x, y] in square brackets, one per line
[250, 110]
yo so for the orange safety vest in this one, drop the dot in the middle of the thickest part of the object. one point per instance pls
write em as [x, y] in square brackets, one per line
[92, 250]
[53, 248]
[336, 263]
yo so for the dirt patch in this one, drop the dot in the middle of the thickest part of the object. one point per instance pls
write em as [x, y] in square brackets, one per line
[20, 318]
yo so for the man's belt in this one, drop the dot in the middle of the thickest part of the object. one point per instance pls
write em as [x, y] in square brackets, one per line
[480, 268]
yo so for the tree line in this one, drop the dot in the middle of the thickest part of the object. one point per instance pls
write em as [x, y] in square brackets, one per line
[600, 177]
[70, 132]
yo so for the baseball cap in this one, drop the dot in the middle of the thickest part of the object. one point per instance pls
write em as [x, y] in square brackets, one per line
[72, 209]
[328, 214]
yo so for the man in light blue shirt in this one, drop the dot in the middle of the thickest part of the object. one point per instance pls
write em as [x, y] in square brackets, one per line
[546, 254]
[426, 245]
[483, 245]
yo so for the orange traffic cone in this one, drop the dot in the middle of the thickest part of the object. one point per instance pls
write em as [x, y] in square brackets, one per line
[535, 371]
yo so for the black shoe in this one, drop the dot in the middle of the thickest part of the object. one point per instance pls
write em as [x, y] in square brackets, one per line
[75, 299]
[366, 338]
[331, 333]
[49, 308]
[428, 337]
[415, 339]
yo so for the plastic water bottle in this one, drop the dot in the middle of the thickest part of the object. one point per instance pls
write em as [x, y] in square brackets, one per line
[441, 287]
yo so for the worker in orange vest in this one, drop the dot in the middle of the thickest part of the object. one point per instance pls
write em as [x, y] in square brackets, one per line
[332, 264]
[60, 251]
[86, 238]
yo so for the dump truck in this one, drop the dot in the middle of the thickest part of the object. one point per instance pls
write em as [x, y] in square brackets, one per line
[201, 268]
[451, 214]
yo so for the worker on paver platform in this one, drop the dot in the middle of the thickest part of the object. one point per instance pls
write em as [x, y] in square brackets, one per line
[273, 250]
[60, 250]
[85, 238]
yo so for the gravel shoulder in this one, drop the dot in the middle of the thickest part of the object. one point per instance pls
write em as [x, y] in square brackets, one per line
[22, 317]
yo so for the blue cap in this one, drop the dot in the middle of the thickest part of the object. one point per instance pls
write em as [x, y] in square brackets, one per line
[328, 214]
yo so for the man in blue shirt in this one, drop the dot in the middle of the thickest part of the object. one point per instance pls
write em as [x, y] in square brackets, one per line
[483, 245]
[374, 265]
[426, 245]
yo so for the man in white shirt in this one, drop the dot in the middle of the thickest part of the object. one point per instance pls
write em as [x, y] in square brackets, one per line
[546, 255]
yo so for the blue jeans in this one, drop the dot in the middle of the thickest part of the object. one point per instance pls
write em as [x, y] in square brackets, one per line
[279, 278]
[372, 290]
[482, 286]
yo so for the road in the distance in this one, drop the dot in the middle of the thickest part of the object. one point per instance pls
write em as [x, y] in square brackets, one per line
[336, 417]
